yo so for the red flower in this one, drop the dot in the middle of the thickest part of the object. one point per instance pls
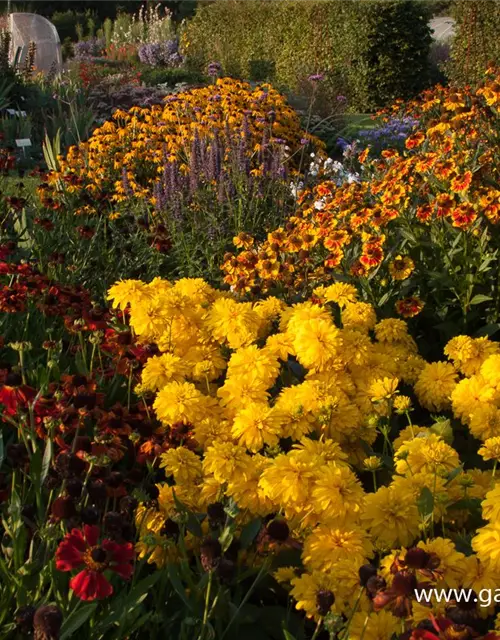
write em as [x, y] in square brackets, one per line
[14, 394]
[409, 307]
[83, 549]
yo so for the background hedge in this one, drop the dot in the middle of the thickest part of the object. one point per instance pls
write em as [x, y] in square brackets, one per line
[476, 43]
[371, 52]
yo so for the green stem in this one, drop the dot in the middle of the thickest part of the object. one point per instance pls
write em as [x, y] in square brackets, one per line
[207, 604]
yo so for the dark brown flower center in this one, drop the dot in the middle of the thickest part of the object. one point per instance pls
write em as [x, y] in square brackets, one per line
[95, 559]
[98, 555]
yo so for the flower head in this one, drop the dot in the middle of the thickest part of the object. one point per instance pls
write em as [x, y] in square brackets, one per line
[82, 549]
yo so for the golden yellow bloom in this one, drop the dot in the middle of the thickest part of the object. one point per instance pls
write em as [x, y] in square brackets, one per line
[159, 370]
[182, 402]
[392, 517]
[256, 425]
[491, 449]
[435, 385]
[326, 546]
[401, 267]
[373, 626]
[181, 463]
[402, 404]
[311, 591]
[383, 389]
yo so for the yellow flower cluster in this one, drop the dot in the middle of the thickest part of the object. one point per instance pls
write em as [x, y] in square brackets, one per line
[127, 154]
[288, 406]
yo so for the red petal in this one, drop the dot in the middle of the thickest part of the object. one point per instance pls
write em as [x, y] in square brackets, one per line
[123, 570]
[119, 552]
[90, 585]
[75, 538]
[68, 557]
[91, 534]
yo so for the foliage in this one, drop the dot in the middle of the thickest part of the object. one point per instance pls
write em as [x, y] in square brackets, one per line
[371, 52]
[152, 76]
[70, 23]
[475, 44]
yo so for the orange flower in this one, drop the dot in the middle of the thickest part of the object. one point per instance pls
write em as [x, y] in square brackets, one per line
[409, 307]
[364, 155]
[372, 255]
[244, 240]
[460, 184]
[415, 140]
[358, 270]
[463, 216]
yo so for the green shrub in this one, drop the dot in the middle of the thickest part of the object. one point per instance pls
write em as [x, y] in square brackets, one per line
[440, 7]
[152, 76]
[476, 43]
[74, 24]
[371, 52]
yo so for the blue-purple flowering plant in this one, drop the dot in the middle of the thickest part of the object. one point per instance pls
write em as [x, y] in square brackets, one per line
[391, 134]
[161, 54]
[222, 195]
[89, 49]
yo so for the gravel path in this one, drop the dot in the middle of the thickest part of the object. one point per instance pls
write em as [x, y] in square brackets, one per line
[442, 28]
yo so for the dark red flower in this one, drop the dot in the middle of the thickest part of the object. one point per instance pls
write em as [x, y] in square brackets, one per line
[14, 393]
[84, 550]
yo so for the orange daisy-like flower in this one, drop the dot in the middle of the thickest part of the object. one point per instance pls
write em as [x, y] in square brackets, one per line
[409, 307]
[372, 255]
[461, 183]
[244, 240]
[415, 140]
[463, 216]
[364, 155]
[333, 260]
[358, 270]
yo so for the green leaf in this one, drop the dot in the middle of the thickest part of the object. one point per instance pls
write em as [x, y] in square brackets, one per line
[453, 474]
[193, 525]
[287, 635]
[46, 460]
[425, 502]
[480, 298]
[470, 504]
[384, 299]
[487, 330]
[250, 532]
[177, 585]
[140, 591]
[75, 620]
[36, 465]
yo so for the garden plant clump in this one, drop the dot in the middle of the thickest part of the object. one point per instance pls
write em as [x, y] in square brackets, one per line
[249, 377]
